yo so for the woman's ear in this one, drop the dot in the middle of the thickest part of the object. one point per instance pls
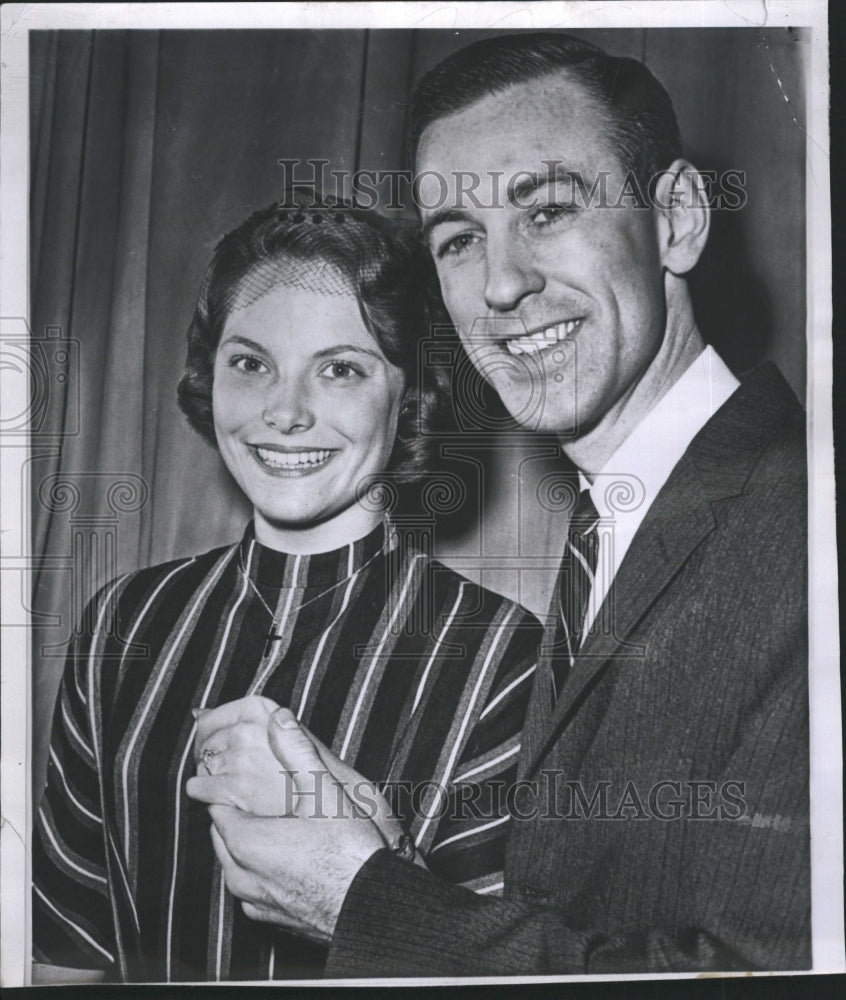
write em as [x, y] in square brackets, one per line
[683, 216]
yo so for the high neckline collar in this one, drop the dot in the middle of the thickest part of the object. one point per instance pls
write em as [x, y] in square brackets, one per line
[272, 568]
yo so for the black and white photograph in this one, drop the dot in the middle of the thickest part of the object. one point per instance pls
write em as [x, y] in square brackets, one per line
[418, 541]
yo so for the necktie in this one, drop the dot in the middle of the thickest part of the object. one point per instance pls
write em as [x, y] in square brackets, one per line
[575, 581]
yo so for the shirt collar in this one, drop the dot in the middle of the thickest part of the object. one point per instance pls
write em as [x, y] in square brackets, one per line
[270, 567]
[643, 462]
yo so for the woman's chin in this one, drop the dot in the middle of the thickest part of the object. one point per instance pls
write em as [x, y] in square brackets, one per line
[314, 531]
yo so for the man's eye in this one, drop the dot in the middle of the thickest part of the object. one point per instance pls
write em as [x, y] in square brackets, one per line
[248, 364]
[457, 245]
[548, 214]
[342, 371]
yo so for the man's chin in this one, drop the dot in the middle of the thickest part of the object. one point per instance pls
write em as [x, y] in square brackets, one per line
[538, 409]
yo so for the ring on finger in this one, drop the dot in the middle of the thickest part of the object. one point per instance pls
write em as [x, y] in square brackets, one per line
[206, 757]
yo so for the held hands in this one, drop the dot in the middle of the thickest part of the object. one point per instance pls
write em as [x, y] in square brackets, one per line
[237, 753]
[293, 869]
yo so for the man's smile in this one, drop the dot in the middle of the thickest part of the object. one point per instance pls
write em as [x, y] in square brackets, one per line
[549, 336]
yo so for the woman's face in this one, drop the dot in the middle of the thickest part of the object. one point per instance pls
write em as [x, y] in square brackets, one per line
[305, 406]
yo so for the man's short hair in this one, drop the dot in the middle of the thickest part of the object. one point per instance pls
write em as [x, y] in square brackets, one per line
[379, 261]
[642, 125]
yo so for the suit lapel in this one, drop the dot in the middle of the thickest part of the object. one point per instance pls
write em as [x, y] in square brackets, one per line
[671, 531]
[715, 467]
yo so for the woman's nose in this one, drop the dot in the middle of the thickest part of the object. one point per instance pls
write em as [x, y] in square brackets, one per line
[289, 409]
[511, 275]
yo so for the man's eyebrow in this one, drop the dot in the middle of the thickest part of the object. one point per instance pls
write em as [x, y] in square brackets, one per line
[527, 183]
[439, 218]
[531, 181]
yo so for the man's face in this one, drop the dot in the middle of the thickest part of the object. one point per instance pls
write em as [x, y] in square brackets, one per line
[558, 300]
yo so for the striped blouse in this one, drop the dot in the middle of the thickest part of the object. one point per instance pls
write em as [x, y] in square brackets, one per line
[415, 676]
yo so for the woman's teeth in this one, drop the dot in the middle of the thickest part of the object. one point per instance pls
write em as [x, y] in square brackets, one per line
[543, 338]
[291, 459]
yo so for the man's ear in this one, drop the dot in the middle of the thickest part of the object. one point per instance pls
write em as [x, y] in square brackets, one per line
[683, 216]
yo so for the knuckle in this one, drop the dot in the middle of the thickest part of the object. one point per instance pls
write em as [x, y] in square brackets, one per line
[257, 708]
[246, 733]
[235, 738]
[235, 853]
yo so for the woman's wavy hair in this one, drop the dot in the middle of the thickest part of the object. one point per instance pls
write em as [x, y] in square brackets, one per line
[382, 261]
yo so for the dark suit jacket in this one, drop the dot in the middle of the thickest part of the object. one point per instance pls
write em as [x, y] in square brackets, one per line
[678, 752]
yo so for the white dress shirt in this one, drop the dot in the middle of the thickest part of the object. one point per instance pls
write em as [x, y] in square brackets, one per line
[628, 483]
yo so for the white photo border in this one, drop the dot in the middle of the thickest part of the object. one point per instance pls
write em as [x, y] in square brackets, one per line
[17, 20]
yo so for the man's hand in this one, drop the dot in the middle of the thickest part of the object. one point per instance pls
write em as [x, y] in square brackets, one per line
[295, 870]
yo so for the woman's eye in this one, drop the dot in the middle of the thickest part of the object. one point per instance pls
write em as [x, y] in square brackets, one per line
[342, 371]
[248, 364]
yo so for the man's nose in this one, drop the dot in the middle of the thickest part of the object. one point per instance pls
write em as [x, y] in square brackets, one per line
[289, 408]
[511, 275]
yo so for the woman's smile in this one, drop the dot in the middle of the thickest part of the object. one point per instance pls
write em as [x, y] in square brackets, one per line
[292, 461]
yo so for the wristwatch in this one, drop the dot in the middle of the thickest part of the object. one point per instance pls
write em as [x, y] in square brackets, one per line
[405, 848]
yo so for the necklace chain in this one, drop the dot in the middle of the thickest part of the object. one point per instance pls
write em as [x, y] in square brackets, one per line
[243, 570]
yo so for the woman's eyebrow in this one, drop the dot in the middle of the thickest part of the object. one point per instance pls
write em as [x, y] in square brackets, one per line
[325, 352]
[355, 348]
[236, 338]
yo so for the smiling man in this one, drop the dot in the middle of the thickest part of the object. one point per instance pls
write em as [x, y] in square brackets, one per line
[663, 817]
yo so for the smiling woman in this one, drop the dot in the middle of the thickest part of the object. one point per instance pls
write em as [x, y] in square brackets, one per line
[302, 370]
[304, 394]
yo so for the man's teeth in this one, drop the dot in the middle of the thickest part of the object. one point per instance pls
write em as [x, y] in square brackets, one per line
[543, 338]
[291, 459]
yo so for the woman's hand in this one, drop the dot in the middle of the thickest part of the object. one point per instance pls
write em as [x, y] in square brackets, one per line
[235, 764]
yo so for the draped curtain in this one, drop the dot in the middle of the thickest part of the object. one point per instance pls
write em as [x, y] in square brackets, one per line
[147, 146]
